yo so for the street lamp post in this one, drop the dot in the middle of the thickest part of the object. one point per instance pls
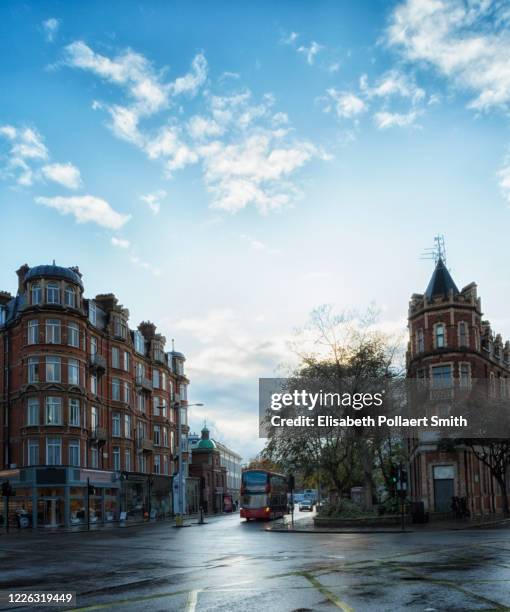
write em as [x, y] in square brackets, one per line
[179, 518]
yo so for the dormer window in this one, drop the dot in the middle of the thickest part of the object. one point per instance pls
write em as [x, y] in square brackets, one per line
[440, 336]
[36, 294]
[70, 297]
[52, 293]
[139, 343]
[92, 313]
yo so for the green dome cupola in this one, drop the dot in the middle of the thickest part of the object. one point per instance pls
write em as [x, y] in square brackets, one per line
[205, 443]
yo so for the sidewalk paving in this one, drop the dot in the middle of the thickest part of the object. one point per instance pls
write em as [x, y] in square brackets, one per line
[189, 521]
[306, 525]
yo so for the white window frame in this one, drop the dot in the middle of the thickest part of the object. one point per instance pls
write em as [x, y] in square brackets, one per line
[33, 332]
[36, 290]
[437, 326]
[74, 412]
[53, 331]
[116, 389]
[116, 458]
[115, 357]
[54, 366]
[56, 445]
[116, 425]
[73, 335]
[53, 289]
[73, 367]
[92, 313]
[127, 426]
[74, 448]
[34, 375]
[33, 416]
[33, 443]
[53, 410]
[70, 290]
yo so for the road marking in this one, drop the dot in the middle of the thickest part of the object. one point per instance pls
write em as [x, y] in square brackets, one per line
[327, 593]
[191, 602]
[453, 585]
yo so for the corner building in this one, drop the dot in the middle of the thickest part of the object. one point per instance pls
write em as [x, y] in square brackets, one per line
[451, 345]
[84, 400]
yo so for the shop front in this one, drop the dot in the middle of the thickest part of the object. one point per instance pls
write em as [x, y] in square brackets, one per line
[58, 496]
[146, 496]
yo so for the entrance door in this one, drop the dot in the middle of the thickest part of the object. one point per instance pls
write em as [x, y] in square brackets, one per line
[443, 487]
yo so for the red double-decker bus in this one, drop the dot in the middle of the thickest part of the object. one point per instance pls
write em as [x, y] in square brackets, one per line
[263, 495]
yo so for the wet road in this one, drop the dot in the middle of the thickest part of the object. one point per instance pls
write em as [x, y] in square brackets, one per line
[233, 565]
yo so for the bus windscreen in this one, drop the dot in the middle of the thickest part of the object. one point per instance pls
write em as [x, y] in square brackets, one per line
[254, 479]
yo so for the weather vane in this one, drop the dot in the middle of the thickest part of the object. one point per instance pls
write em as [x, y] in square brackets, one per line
[437, 252]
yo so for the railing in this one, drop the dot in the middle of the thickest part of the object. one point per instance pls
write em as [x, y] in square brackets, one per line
[144, 445]
[98, 362]
[98, 434]
[144, 382]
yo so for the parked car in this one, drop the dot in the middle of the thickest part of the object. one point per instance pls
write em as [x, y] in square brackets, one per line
[306, 505]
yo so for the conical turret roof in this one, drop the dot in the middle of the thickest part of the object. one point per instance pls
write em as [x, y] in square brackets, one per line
[441, 283]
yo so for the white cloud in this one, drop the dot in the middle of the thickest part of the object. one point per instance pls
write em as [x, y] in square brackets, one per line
[290, 39]
[393, 83]
[167, 145]
[64, 174]
[253, 171]
[246, 157]
[504, 180]
[153, 200]
[346, 104]
[50, 28]
[129, 70]
[310, 52]
[26, 149]
[191, 82]
[122, 243]
[86, 209]
[384, 120]
[200, 127]
[467, 42]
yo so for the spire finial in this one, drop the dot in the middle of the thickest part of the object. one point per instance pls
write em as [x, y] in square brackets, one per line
[173, 345]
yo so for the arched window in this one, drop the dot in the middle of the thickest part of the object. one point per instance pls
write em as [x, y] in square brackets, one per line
[53, 293]
[70, 296]
[440, 335]
[35, 292]
[463, 334]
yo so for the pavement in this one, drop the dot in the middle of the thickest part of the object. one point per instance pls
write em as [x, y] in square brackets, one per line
[229, 564]
[305, 524]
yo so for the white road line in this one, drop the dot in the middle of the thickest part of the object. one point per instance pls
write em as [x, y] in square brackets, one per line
[191, 602]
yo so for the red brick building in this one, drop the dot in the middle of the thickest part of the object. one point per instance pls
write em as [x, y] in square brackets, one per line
[206, 466]
[451, 344]
[82, 396]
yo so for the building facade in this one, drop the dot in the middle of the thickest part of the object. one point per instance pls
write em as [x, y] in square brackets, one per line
[84, 401]
[206, 466]
[230, 460]
[451, 345]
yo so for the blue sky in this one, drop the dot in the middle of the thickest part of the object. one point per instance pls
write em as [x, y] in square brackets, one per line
[226, 168]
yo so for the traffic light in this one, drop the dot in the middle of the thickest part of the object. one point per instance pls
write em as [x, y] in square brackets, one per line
[393, 475]
[91, 490]
[292, 482]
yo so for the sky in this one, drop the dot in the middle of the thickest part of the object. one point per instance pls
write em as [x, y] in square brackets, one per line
[226, 168]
